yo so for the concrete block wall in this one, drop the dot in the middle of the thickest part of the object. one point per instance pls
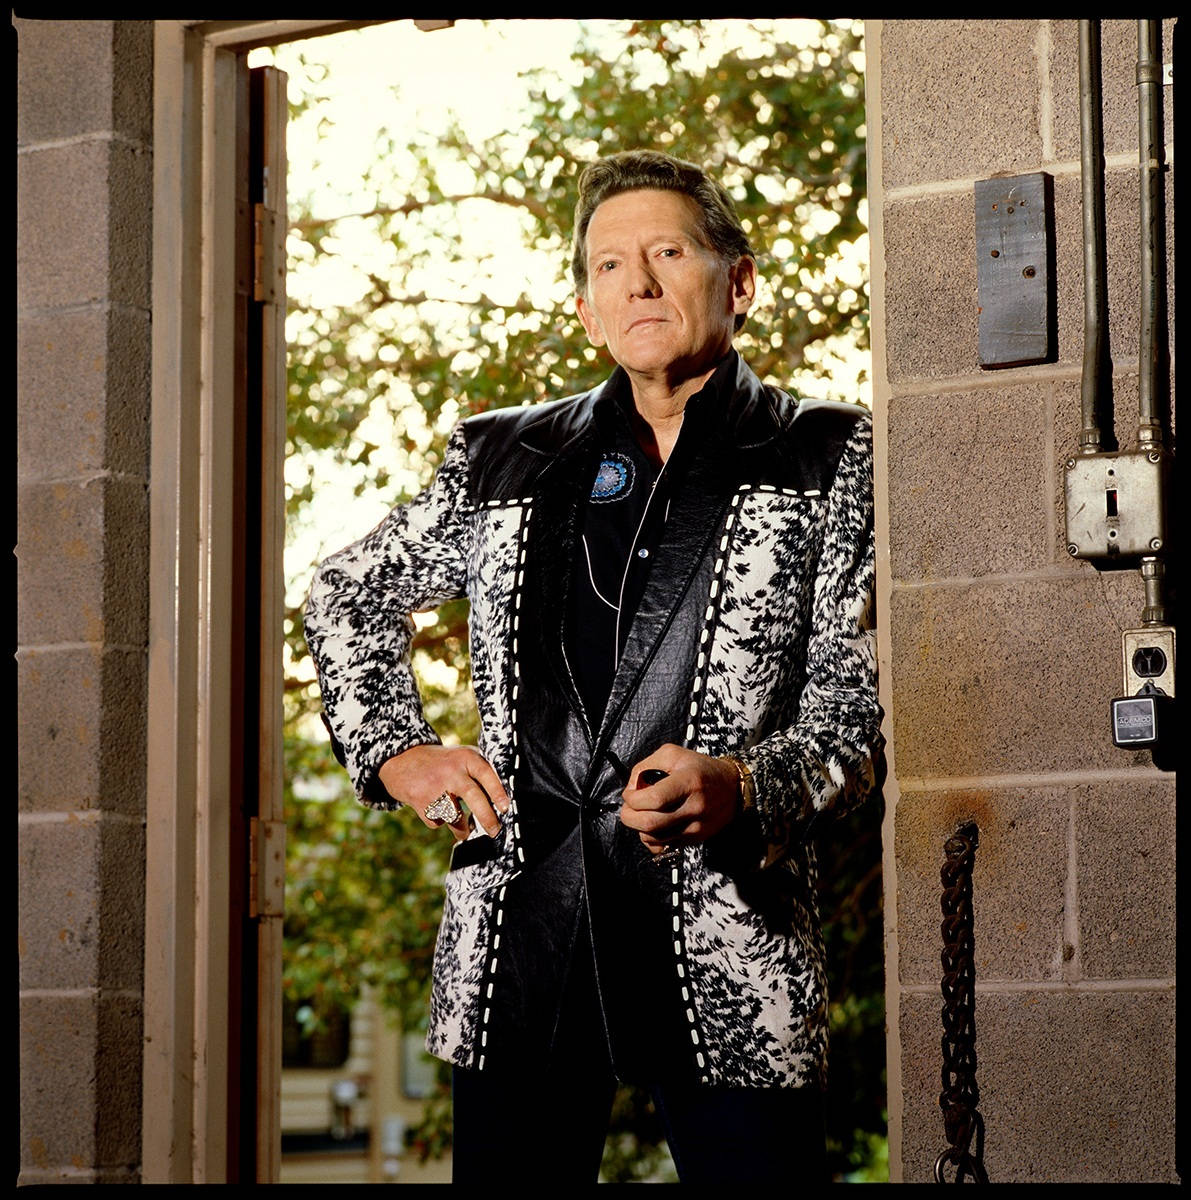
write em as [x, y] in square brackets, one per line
[84, 222]
[1001, 653]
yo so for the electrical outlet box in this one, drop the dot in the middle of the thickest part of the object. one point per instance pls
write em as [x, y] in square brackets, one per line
[1147, 656]
[1115, 504]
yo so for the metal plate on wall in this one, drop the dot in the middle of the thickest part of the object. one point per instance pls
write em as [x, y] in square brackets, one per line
[1014, 250]
[1115, 504]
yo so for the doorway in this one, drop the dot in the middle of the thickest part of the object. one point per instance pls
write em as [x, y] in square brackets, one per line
[461, 325]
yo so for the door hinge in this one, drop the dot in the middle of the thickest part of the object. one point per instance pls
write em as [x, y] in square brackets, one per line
[266, 888]
[268, 256]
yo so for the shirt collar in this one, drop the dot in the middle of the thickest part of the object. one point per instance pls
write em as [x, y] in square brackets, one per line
[616, 397]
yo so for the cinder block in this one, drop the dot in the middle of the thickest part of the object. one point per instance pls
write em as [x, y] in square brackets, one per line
[83, 382]
[130, 217]
[59, 718]
[959, 99]
[1005, 678]
[59, 943]
[91, 935]
[1122, 265]
[1118, 109]
[932, 298]
[62, 378]
[1018, 875]
[63, 222]
[84, 214]
[82, 555]
[1075, 1087]
[82, 77]
[1118, 425]
[1125, 849]
[132, 87]
[81, 730]
[64, 78]
[930, 288]
[80, 1082]
[969, 483]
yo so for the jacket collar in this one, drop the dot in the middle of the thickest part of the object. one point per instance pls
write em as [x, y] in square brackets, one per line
[734, 403]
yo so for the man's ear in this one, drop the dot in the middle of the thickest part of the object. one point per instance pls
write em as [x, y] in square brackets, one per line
[595, 331]
[743, 277]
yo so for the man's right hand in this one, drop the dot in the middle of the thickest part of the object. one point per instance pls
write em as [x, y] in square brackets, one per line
[419, 775]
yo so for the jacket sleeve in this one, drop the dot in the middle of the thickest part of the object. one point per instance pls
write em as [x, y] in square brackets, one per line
[832, 756]
[359, 630]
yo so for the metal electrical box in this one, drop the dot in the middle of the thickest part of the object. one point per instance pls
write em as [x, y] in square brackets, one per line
[1014, 251]
[1115, 504]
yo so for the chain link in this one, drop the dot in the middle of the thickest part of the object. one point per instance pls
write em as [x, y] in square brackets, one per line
[960, 1095]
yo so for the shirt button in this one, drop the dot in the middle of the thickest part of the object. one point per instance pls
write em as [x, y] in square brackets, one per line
[642, 553]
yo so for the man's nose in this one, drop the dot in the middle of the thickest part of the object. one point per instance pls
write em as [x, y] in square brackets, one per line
[642, 282]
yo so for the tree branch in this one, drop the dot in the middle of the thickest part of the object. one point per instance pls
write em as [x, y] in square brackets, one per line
[531, 205]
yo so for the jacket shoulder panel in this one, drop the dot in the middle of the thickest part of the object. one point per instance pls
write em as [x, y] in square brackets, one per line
[508, 449]
[815, 437]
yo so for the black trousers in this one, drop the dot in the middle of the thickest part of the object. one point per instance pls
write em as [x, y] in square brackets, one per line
[549, 1123]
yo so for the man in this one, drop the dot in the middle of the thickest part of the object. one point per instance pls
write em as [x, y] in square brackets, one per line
[670, 580]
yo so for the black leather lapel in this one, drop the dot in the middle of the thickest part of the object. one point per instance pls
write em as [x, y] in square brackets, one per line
[558, 500]
[696, 513]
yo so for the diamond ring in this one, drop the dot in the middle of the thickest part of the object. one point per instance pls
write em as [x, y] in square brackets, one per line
[446, 809]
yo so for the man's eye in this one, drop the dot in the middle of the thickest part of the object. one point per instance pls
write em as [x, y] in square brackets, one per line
[606, 266]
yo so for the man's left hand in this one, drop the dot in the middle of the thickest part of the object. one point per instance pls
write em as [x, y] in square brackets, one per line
[698, 798]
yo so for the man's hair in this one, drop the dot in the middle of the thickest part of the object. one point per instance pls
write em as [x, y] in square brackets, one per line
[633, 170]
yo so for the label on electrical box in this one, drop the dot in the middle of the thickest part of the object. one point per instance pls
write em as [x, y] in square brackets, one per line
[1135, 721]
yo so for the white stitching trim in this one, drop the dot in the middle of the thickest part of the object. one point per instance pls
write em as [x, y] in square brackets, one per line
[490, 967]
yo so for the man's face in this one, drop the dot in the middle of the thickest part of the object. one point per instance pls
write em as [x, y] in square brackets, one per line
[662, 302]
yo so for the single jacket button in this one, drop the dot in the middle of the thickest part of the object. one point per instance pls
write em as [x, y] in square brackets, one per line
[642, 553]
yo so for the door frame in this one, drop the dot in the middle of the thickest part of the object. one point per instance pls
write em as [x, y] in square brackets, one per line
[190, 881]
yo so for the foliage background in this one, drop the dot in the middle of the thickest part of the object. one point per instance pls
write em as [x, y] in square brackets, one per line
[401, 322]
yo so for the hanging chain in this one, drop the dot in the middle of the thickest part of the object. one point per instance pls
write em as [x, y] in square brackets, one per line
[960, 1094]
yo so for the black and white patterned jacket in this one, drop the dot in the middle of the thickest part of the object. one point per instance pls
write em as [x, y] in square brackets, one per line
[754, 636]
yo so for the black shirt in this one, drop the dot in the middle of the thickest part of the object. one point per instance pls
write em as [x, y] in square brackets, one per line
[622, 525]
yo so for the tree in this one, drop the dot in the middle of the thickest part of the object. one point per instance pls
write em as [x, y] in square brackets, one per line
[430, 334]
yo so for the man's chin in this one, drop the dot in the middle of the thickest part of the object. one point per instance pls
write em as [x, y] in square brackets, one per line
[674, 369]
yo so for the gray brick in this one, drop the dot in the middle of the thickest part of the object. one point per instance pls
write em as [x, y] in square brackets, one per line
[1126, 871]
[945, 86]
[83, 212]
[80, 1082]
[1118, 110]
[972, 483]
[82, 555]
[1018, 876]
[1075, 1087]
[1006, 677]
[64, 78]
[81, 730]
[932, 295]
[91, 934]
[83, 381]
[930, 288]
[1123, 272]
[132, 87]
